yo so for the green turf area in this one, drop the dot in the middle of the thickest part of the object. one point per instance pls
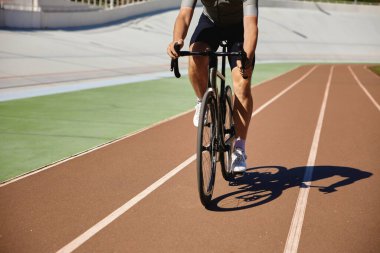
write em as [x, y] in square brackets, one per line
[37, 131]
[375, 69]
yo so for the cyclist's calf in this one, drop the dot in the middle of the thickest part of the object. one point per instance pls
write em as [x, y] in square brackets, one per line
[243, 101]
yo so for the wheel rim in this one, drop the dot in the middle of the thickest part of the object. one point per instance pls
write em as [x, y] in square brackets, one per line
[208, 151]
[228, 129]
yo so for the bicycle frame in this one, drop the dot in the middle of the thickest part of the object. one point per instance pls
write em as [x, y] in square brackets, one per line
[220, 133]
[214, 74]
[212, 84]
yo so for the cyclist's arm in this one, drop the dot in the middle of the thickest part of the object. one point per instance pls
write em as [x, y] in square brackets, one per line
[250, 27]
[181, 25]
[250, 36]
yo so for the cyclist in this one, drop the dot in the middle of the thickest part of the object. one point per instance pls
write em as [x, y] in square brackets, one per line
[236, 22]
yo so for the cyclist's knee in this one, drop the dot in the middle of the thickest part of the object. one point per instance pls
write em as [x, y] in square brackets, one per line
[198, 62]
[198, 70]
[242, 87]
[242, 91]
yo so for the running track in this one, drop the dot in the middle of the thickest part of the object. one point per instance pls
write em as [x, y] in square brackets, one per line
[313, 183]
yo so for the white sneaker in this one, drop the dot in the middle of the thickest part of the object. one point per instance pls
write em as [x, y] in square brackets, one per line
[238, 163]
[196, 114]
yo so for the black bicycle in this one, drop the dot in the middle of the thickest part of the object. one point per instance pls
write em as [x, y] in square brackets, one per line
[216, 131]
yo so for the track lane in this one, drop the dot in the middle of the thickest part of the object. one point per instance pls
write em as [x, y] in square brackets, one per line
[314, 235]
[342, 213]
[295, 230]
[251, 223]
[78, 193]
[263, 93]
[370, 82]
[64, 201]
[255, 214]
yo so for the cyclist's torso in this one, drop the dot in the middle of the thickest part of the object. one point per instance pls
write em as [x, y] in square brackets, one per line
[225, 12]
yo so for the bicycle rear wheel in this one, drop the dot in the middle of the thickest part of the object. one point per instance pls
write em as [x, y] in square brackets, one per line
[206, 148]
[229, 135]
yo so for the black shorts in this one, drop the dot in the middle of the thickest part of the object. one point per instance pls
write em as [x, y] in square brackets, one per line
[212, 34]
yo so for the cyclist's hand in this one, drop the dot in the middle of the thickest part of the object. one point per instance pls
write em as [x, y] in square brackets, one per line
[171, 50]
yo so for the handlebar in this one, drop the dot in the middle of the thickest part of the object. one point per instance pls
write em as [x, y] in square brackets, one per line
[174, 62]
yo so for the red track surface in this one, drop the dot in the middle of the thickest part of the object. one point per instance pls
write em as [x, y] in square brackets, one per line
[48, 210]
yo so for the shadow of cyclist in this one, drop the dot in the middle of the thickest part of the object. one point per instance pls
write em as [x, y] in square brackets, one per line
[263, 184]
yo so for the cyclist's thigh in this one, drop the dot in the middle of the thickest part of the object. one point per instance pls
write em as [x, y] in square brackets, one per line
[206, 33]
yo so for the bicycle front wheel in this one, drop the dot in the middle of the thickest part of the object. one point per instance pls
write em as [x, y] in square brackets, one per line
[206, 148]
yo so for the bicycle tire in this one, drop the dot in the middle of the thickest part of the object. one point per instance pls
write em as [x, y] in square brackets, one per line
[229, 134]
[206, 148]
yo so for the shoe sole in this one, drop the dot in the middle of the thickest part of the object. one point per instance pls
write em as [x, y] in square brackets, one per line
[239, 171]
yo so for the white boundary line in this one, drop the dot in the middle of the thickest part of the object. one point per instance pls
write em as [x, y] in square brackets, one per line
[53, 164]
[77, 242]
[294, 234]
[364, 89]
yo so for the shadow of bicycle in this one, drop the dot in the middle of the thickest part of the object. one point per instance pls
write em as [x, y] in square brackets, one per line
[263, 184]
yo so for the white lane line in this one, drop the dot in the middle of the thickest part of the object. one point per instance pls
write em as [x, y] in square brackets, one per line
[364, 89]
[121, 210]
[118, 212]
[294, 234]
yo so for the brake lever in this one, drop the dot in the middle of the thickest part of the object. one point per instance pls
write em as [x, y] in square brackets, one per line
[174, 62]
